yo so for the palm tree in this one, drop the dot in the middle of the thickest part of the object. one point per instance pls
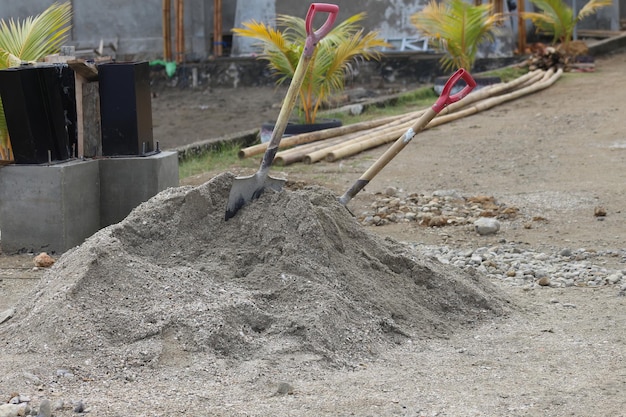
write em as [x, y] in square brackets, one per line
[458, 28]
[30, 40]
[557, 18]
[334, 56]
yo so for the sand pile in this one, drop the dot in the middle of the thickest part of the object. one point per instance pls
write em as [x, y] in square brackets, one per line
[293, 272]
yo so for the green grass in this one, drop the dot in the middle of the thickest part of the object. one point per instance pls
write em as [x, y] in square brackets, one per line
[506, 74]
[223, 156]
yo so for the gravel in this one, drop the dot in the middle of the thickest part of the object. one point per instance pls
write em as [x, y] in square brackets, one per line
[514, 265]
[506, 262]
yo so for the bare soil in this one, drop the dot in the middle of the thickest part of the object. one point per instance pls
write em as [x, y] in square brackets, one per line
[129, 323]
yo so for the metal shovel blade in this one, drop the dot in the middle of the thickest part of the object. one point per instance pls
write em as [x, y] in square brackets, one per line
[246, 189]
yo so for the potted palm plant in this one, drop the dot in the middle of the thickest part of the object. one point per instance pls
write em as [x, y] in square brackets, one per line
[558, 20]
[334, 58]
[27, 41]
[458, 28]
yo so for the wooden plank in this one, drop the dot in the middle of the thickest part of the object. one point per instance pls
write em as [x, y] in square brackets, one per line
[88, 71]
[88, 118]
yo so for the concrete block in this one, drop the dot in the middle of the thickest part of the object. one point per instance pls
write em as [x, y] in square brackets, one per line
[49, 208]
[127, 182]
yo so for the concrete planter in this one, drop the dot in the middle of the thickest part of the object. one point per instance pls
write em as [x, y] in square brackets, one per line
[48, 207]
[53, 208]
[127, 182]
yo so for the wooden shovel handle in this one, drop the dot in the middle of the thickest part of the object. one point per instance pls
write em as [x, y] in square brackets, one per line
[418, 126]
[298, 77]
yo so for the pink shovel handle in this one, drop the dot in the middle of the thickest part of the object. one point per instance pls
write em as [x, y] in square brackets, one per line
[312, 38]
[445, 98]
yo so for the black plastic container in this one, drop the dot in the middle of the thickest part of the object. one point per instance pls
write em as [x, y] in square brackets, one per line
[125, 108]
[36, 112]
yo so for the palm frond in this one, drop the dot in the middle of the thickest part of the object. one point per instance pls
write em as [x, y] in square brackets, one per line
[274, 46]
[458, 28]
[34, 37]
[556, 19]
[591, 8]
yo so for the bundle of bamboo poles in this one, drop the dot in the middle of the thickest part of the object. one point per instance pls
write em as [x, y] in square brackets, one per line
[341, 142]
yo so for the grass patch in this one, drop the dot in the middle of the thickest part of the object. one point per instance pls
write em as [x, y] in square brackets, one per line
[220, 158]
[506, 74]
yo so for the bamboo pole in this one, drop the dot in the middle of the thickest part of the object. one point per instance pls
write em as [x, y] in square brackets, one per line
[217, 28]
[296, 154]
[322, 153]
[316, 136]
[380, 131]
[180, 31]
[521, 28]
[363, 145]
[547, 79]
[167, 30]
[334, 153]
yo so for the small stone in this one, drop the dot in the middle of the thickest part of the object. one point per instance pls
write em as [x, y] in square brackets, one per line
[614, 278]
[566, 252]
[437, 221]
[45, 409]
[355, 109]
[284, 388]
[486, 226]
[14, 410]
[543, 281]
[511, 273]
[6, 315]
[43, 260]
[79, 407]
[391, 191]
[599, 211]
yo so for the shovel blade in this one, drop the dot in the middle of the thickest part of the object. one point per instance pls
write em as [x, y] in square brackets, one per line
[246, 189]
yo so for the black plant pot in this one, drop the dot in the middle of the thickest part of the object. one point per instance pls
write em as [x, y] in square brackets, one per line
[297, 128]
[481, 82]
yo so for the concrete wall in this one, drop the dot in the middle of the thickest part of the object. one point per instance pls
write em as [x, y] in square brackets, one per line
[134, 27]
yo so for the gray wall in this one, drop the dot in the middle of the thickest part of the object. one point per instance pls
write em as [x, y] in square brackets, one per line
[134, 27]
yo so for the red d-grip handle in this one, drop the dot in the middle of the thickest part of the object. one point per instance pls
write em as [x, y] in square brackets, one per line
[445, 98]
[312, 38]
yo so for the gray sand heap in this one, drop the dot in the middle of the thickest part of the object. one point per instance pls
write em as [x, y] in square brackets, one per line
[291, 273]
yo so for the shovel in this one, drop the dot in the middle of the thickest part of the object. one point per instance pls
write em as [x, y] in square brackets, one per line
[444, 100]
[246, 189]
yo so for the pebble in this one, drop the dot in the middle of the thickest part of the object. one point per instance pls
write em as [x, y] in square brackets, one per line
[284, 388]
[6, 315]
[512, 264]
[14, 410]
[43, 260]
[486, 226]
[45, 409]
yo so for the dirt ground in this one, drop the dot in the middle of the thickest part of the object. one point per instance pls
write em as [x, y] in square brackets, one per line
[556, 155]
